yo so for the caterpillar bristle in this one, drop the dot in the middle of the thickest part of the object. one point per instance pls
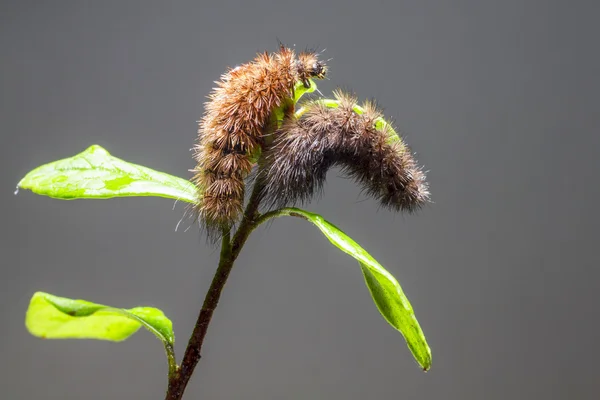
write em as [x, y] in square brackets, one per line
[237, 116]
[294, 167]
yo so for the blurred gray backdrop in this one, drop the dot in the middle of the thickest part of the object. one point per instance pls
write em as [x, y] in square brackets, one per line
[498, 99]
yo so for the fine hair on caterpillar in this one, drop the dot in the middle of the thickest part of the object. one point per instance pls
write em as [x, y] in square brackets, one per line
[295, 165]
[238, 114]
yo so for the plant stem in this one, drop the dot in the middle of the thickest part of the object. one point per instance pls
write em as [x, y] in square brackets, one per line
[230, 249]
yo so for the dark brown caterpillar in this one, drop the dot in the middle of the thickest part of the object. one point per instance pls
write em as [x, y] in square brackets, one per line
[295, 165]
[236, 115]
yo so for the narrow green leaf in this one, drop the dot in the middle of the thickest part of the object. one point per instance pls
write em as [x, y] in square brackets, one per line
[385, 289]
[95, 174]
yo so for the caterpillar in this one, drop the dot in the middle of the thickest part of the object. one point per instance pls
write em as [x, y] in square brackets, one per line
[295, 165]
[236, 116]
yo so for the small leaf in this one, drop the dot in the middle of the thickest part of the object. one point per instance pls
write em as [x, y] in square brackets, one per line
[53, 317]
[279, 113]
[300, 90]
[385, 289]
[95, 174]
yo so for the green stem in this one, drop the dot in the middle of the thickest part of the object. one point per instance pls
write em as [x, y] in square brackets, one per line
[173, 367]
[286, 211]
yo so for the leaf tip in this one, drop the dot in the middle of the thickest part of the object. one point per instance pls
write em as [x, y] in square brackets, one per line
[96, 149]
[425, 363]
[30, 179]
[39, 294]
[22, 184]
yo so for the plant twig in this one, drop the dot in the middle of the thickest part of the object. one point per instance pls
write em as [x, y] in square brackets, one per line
[230, 249]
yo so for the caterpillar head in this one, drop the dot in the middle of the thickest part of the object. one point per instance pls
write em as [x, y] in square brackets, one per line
[308, 66]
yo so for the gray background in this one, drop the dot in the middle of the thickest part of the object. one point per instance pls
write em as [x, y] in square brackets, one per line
[499, 100]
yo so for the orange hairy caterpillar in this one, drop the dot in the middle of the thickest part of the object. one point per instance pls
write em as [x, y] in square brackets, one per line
[236, 116]
[295, 165]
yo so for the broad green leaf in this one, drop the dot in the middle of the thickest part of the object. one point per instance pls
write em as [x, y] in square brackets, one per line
[95, 174]
[53, 317]
[385, 289]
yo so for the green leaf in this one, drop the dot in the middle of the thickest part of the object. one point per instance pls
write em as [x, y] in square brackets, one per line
[300, 90]
[385, 289]
[95, 174]
[53, 317]
[278, 113]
